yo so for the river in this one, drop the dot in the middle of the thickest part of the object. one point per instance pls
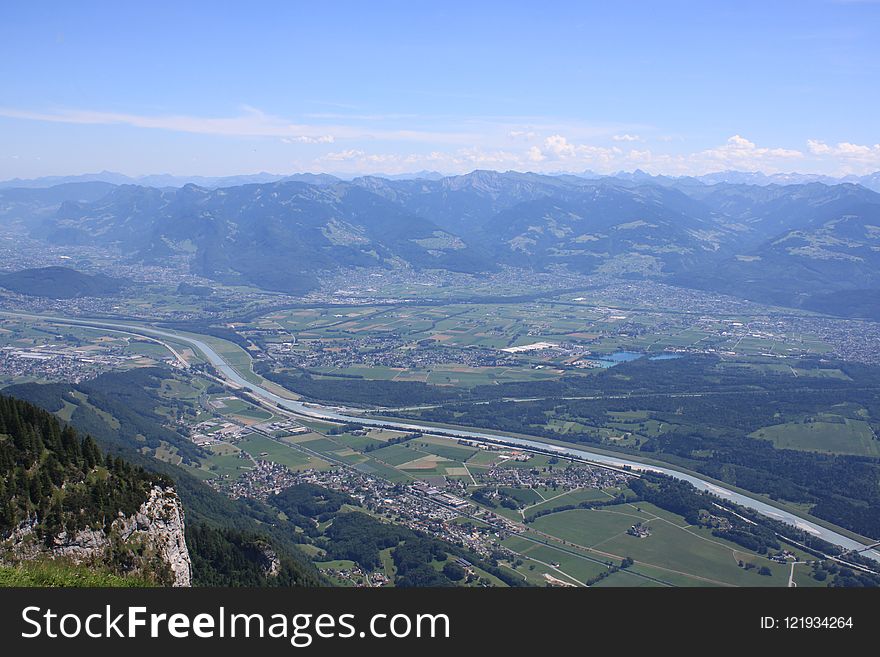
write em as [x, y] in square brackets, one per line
[339, 414]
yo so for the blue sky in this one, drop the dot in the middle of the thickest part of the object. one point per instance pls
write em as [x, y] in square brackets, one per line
[225, 88]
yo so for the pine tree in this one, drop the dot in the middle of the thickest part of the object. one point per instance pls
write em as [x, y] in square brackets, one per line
[44, 474]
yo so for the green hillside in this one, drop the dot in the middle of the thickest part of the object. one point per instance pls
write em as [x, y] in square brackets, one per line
[59, 283]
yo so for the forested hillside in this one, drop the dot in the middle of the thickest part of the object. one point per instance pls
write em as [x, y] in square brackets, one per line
[60, 478]
[38, 455]
[56, 483]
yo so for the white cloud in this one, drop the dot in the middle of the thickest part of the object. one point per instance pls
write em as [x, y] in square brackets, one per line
[305, 139]
[740, 153]
[483, 158]
[344, 156]
[857, 150]
[535, 155]
[400, 143]
[462, 160]
[522, 134]
[740, 148]
[252, 122]
[852, 158]
[559, 148]
[818, 147]
[843, 149]
[558, 152]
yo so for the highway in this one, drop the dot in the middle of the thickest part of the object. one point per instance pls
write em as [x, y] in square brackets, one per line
[340, 414]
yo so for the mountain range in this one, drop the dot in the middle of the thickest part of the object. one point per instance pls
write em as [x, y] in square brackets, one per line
[806, 244]
[871, 181]
[168, 180]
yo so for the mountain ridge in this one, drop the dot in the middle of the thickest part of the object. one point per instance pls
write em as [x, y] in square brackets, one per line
[730, 176]
[778, 243]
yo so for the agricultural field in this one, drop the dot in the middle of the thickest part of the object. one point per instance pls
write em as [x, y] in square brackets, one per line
[229, 405]
[445, 448]
[398, 455]
[225, 461]
[561, 499]
[260, 447]
[834, 434]
[540, 560]
[462, 345]
[510, 325]
[672, 547]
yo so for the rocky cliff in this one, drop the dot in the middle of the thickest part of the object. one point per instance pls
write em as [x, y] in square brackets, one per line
[150, 541]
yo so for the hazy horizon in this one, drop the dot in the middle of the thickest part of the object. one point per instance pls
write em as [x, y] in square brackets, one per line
[345, 176]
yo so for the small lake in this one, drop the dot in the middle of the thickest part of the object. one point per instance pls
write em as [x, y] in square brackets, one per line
[619, 357]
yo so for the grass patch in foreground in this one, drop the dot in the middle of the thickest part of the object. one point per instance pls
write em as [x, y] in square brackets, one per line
[59, 574]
